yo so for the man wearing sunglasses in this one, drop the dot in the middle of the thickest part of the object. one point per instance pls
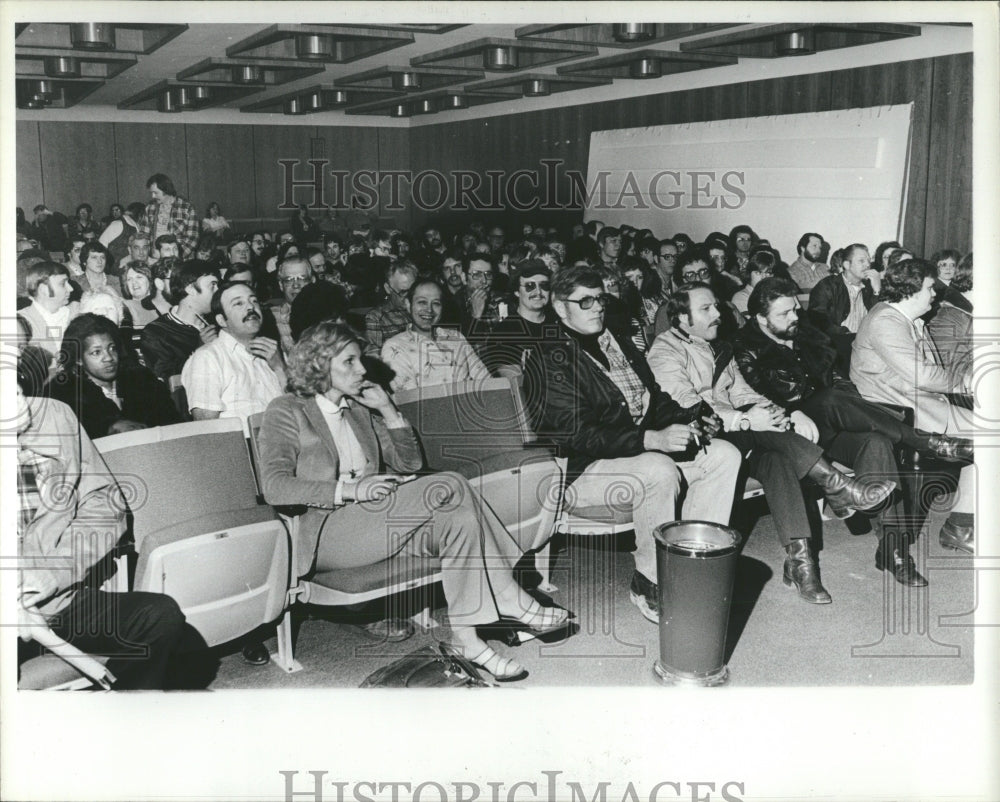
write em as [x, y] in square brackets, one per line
[514, 340]
[592, 393]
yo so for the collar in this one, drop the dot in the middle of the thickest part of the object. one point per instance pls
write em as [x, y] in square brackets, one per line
[327, 407]
[229, 342]
[435, 330]
[58, 318]
[683, 336]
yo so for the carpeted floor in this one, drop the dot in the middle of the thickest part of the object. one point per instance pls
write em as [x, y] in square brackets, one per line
[876, 632]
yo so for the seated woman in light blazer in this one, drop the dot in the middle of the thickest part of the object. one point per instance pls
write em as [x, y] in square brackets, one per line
[338, 445]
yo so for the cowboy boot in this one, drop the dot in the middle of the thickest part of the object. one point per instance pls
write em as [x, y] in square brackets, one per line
[802, 572]
[846, 494]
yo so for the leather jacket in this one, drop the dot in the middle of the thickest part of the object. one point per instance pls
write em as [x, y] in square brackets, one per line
[786, 375]
[574, 404]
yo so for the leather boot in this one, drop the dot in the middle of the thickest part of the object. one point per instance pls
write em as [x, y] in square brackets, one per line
[802, 572]
[893, 554]
[958, 537]
[847, 494]
[950, 449]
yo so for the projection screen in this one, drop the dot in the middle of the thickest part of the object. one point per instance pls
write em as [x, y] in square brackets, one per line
[842, 174]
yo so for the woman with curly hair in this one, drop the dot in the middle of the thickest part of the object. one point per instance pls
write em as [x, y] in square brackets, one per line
[338, 445]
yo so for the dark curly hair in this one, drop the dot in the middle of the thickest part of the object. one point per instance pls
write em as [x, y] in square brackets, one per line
[905, 279]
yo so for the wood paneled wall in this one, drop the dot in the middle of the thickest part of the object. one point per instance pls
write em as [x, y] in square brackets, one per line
[938, 210]
[65, 164]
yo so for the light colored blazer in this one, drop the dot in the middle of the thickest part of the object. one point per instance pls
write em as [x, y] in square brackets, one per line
[300, 464]
[894, 362]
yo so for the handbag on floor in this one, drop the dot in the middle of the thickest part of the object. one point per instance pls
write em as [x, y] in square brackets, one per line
[437, 666]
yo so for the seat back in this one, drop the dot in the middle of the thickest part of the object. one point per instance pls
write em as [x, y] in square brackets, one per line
[179, 396]
[171, 474]
[201, 535]
[465, 421]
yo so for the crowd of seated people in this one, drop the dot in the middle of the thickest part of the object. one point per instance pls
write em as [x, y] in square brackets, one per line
[657, 363]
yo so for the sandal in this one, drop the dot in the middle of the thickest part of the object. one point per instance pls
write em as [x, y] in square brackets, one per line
[542, 621]
[503, 669]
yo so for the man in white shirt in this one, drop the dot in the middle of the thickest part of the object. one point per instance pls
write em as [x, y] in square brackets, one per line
[47, 284]
[424, 354]
[238, 373]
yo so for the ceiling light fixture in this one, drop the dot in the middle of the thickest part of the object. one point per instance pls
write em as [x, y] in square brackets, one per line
[425, 107]
[645, 68]
[796, 43]
[454, 102]
[537, 87]
[399, 110]
[633, 31]
[406, 81]
[294, 106]
[93, 35]
[500, 58]
[314, 46]
[62, 67]
[248, 74]
[168, 102]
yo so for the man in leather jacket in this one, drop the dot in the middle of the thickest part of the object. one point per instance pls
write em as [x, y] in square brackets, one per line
[627, 442]
[793, 364]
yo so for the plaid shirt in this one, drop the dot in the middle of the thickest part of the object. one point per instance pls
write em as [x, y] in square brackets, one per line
[624, 378]
[28, 494]
[183, 224]
[383, 322]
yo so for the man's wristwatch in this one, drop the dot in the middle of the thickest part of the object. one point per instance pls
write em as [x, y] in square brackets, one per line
[744, 423]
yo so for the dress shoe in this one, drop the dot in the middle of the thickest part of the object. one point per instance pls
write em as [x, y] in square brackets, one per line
[960, 538]
[950, 449]
[646, 596]
[846, 494]
[901, 564]
[256, 654]
[802, 572]
[388, 630]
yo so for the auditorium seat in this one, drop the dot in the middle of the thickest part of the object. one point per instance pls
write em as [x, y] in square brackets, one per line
[200, 533]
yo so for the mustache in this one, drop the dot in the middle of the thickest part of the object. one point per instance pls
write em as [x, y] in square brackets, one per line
[250, 315]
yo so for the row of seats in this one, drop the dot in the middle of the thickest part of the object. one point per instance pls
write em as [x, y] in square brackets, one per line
[204, 536]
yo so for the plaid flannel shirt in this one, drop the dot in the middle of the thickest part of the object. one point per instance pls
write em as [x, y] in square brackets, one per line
[384, 322]
[183, 224]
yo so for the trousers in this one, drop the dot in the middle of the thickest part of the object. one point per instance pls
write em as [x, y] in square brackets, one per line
[780, 461]
[649, 485]
[434, 517]
[139, 632]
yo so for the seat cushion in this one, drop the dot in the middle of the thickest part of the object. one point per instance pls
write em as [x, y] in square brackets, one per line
[400, 569]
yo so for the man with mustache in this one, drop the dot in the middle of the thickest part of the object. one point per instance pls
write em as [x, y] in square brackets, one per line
[692, 364]
[239, 372]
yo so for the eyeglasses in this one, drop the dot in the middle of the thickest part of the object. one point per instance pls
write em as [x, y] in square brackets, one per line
[296, 280]
[588, 301]
[483, 274]
[668, 256]
[691, 275]
[530, 286]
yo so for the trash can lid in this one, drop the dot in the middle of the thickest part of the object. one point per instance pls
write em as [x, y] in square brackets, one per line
[699, 539]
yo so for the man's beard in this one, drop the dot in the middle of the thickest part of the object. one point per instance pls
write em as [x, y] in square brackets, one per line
[809, 257]
[786, 334]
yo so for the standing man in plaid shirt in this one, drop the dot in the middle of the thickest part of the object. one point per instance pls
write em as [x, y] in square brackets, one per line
[168, 213]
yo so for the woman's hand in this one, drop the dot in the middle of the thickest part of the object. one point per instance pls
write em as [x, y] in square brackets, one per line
[373, 396]
[372, 488]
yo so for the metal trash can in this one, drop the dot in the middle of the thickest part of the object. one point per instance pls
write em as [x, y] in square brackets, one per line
[695, 569]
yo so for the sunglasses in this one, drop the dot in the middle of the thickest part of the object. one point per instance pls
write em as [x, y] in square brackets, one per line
[530, 286]
[588, 301]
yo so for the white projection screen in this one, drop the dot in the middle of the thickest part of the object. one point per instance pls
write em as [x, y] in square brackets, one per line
[842, 174]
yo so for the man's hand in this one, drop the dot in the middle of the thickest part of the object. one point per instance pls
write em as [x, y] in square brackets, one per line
[874, 278]
[674, 438]
[767, 418]
[124, 425]
[264, 347]
[477, 300]
[805, 426]
[372, 488]
[711, 425]
[207, 334]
